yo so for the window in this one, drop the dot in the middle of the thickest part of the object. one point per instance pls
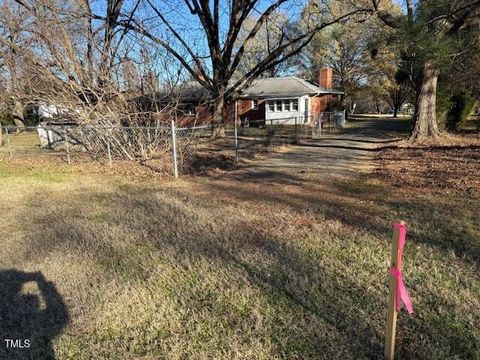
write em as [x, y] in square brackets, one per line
[278, 105]
[255, 104]
[271, 106]
[285, 105]
[295, 105]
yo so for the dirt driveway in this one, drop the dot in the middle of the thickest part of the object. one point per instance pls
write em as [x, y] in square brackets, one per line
[346, 152]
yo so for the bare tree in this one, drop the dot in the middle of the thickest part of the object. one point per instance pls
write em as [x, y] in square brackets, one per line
[397, 96]
[197, 30]
[13, 19]
[82, 68]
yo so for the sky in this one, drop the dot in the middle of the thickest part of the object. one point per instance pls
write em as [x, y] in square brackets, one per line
[188, 25]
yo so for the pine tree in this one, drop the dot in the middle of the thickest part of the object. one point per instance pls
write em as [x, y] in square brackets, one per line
[433, 32]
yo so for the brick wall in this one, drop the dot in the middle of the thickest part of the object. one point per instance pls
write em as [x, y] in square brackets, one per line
[325, 78]
[320, 103]
[244, 109]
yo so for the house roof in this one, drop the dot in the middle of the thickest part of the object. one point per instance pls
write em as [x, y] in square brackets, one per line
[289, 86]
[273, 87]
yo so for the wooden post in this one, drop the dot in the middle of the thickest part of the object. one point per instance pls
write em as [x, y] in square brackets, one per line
[296, 136]
[392, 298]
[273, 134]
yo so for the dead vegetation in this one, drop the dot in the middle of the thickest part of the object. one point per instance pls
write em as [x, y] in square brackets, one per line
[451, 163]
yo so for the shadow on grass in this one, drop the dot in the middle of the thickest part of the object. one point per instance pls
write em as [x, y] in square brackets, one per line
[292, 280]
[447, 226]
[187, 226]
[29, 322]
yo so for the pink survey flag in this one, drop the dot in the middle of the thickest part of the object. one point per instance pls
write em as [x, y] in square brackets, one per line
[400, 290]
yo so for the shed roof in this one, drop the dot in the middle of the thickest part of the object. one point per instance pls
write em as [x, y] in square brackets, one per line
[289, 86]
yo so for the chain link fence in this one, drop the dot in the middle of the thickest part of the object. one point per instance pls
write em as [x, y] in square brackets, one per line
[166, 149]
[253, 136]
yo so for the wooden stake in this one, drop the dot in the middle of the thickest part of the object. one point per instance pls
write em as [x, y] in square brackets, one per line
[392, 299]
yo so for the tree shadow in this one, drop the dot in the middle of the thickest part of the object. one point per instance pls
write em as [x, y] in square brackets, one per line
[278, 270]
[29, 322]
[357, 203]
[377, 128]
[182, 226]
[350, 139]
[349, 147]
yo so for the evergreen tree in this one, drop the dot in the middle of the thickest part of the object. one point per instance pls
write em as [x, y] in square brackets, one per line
[433, 32]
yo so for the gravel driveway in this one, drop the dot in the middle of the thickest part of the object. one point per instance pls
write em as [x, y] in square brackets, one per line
[344, 153]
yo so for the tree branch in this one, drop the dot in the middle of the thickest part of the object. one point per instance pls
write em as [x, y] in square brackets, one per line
[179, 38]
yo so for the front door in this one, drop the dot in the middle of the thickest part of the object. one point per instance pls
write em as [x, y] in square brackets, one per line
[306, 111]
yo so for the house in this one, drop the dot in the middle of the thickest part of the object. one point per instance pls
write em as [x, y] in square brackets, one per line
[286, 100]
[276, 100]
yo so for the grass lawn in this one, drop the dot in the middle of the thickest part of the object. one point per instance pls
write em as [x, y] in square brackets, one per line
[217, 267]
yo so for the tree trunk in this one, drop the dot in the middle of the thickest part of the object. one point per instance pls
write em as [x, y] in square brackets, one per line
[425, 112]
[18, 116]
[395, 111]
[219, 126]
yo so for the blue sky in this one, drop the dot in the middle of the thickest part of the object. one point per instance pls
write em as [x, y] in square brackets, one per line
[187, 24]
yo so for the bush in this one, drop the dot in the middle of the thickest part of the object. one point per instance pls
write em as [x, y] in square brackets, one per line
[6, 118]
[443, 105]
[29, 116]
[461, 109]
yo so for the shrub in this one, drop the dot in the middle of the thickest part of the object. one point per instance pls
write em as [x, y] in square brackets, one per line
[443, 105]
[461, 109]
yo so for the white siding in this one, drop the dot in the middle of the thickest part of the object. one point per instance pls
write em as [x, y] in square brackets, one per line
[286, 117]
[47, 111]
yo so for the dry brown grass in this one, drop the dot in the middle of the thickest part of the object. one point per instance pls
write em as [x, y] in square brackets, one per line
[206, 156]
[220, 267]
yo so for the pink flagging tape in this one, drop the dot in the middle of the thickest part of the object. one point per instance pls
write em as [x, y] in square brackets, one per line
[400, 291]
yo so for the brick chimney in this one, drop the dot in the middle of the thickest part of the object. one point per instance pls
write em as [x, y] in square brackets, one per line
[325, 77]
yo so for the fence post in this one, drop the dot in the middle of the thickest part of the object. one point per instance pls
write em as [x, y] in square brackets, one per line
[108, 147]
[320, 124]
[8, 143]
[67, 148]
[174, 148]
[296, 136]
[236, 133]
[272, 133]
